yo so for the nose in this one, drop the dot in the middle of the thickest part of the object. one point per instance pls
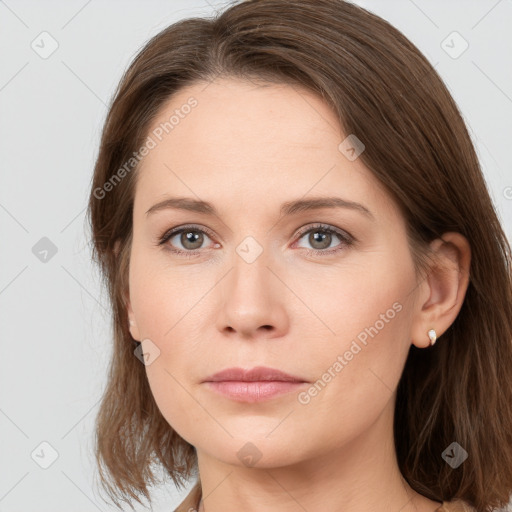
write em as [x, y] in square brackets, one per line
[252, 300]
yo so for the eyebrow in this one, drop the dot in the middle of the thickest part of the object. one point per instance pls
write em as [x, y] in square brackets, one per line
[287, 209]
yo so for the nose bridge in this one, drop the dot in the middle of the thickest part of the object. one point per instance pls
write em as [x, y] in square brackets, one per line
[250, 261]
[251, 299]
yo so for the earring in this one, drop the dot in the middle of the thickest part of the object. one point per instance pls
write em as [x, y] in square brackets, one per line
[433, 336]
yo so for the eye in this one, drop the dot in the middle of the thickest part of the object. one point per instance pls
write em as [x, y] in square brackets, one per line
[321, 236]
[190, 238]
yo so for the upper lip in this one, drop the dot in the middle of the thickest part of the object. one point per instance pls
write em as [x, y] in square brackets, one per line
[258, 373]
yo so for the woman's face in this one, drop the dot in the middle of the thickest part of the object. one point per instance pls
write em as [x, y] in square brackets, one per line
[262, 284]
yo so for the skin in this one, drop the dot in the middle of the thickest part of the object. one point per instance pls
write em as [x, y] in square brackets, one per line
[247, 149]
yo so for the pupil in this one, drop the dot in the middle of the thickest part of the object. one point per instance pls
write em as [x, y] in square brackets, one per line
[193, 237]
[318, 237]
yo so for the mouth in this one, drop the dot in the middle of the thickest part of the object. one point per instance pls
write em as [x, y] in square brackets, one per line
[253, 385]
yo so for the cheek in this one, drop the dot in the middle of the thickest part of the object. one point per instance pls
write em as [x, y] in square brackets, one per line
[162, 301]
[162, 298]
[367, 314]
[364, 301]
[358, 368]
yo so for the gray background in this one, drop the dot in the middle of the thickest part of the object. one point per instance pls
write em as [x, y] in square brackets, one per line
[55, 320]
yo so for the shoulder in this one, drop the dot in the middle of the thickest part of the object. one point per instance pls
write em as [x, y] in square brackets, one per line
[455, 506]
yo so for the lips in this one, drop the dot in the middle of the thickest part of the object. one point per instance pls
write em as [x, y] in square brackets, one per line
[256, 374]
[254, 385]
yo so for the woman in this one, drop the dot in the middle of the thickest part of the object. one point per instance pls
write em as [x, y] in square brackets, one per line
[311, 290]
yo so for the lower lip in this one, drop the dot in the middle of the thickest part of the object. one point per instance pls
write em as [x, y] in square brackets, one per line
[256, 391]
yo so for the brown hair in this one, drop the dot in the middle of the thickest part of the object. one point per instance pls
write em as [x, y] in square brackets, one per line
[385, 92]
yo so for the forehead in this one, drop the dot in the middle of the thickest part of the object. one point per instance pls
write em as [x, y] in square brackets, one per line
[249, 140]
[242, 117]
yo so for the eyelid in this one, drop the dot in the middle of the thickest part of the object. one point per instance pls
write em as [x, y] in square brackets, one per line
[324, 227]
[178, 229]
[346, 239]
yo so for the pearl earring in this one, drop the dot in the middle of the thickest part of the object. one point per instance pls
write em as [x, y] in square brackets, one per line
[433, 336]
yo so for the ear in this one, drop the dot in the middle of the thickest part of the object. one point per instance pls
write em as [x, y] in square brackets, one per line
[443, 291]
[134, 330]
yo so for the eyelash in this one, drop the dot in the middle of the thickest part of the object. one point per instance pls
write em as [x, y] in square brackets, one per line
[346, 239]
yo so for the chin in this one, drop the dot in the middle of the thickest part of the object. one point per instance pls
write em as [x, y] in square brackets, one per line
[254, 451]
